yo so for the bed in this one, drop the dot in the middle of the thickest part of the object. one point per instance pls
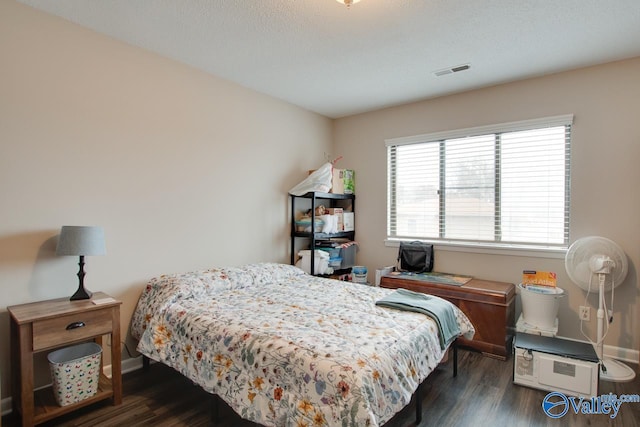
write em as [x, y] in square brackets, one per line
[284, 348]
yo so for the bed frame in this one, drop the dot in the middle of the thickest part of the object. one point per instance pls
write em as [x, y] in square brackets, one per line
[417, 396]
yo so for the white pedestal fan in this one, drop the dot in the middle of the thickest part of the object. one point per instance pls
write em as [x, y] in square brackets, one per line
[599, 263]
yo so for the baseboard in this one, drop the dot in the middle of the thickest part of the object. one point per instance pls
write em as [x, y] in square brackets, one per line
[128, 365]
[622, 354]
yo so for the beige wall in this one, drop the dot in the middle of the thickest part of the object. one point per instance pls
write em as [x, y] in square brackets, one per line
[605, 176]
[183, 170]
[187, 171]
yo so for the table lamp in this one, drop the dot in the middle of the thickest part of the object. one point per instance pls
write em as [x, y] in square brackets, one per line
[81, 241]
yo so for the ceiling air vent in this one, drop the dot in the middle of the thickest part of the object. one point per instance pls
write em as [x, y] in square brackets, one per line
[452, 70]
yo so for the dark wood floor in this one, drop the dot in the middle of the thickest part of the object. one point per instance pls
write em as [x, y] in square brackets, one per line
[481, 395]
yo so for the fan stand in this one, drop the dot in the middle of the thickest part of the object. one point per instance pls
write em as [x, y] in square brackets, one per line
[610, 370]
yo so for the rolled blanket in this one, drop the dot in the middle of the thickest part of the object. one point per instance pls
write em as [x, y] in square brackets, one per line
[440, 310]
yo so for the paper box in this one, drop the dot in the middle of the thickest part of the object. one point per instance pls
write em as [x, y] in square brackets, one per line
[543, 278]
[337, 212]
[337, 184]
[348, 221]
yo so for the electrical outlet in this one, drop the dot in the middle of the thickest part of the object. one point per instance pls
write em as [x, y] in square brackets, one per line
[585, 313]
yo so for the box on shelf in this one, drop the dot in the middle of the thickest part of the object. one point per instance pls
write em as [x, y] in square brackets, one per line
[338, 213]
[343, 181]
[75, 372]
[348, 221]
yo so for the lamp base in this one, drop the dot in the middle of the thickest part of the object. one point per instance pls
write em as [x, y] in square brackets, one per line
[81, 293]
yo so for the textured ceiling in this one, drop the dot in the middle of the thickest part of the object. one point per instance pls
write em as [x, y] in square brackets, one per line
[337, 61]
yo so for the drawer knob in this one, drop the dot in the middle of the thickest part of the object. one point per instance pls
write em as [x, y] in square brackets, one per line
[75, 325]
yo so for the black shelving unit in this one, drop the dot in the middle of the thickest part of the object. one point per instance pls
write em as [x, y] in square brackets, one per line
[334, 201]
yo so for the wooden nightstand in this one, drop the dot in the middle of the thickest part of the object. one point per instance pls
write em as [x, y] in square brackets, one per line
[46, 325]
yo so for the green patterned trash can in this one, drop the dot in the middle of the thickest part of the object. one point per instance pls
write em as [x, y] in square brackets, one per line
[75, 372]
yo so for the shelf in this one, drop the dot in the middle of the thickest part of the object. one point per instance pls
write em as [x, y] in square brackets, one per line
[322, 236]
[333, 196]
[316, 198]
[46, 407]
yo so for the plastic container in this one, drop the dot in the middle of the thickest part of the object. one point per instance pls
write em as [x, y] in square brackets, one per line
[540, 305]
[333, 252]
[348, 256]
[335, 262]
[304, 225]
[75, 372]
[359, 274]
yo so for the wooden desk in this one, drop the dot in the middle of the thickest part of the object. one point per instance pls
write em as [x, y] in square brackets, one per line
[42, 326]
[489, 305]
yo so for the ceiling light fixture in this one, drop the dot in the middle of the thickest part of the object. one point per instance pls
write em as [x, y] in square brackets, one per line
[348, 3]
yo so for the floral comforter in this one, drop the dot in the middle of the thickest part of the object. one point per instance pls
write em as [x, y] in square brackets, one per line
[284, 348]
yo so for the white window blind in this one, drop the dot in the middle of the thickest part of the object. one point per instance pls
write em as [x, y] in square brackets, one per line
[505, 184]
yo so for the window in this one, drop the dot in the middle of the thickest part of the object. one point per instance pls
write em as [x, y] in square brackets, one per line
[501, 185]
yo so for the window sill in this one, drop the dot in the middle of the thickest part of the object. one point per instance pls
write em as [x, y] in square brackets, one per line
[480, 248]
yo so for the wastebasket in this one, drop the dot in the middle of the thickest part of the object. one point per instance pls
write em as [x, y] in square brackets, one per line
[75, 372]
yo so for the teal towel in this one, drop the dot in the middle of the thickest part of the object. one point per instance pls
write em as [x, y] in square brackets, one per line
[440, 310]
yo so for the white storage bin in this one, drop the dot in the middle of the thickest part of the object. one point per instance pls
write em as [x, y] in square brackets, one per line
[540, 305]
[321, 262]
[75, 372]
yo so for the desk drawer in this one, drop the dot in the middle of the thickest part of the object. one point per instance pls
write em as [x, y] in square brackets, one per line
[67, 329]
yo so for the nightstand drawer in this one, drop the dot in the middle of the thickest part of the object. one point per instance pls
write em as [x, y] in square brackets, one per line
[73, 327]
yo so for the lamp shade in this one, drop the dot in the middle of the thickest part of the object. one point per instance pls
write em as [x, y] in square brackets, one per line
[80, 241]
